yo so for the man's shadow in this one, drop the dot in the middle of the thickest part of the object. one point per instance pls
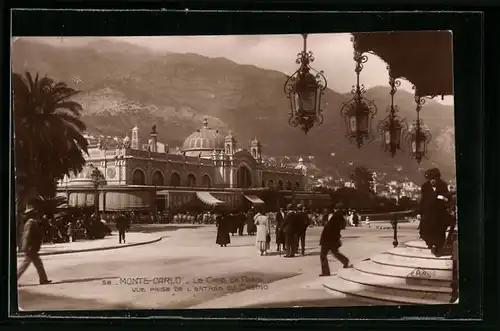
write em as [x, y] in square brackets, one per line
[69, 281]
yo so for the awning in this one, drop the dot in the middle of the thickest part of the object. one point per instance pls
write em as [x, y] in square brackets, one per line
[208, 199]
[254, 199]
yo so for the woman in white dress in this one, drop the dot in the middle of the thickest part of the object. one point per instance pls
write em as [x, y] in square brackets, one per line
[261, 220]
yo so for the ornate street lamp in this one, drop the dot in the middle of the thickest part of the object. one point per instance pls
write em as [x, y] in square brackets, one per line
[304, 90]
[419, 135]
[359, 111]
[393, 127]
[96, 180]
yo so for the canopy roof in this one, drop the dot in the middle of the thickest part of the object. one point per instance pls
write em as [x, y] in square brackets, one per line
[255, 200]
[209, 199]
[425, 58]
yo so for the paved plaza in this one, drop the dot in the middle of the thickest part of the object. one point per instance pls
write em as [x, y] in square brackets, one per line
[186, 269]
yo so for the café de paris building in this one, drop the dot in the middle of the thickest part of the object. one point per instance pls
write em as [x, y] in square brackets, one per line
[209, 170]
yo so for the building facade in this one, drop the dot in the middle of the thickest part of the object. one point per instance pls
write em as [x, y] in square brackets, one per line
[132, 173]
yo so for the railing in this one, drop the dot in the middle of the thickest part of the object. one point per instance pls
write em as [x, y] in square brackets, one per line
[394, 223]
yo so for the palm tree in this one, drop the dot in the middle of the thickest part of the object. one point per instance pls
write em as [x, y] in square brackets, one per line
[48, 133]
[50, 206]
[48, 138]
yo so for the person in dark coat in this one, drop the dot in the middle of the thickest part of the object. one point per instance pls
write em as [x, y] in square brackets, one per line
[330, 239]
[251, 228]
[233, 221]
[122, 225]
[241, 218]
[303, 223]
[223, 229]
[280, 234]
[290, 230]
[31, 243]
[434, 211]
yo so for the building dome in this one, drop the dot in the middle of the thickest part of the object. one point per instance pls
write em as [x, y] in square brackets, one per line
[203, 141]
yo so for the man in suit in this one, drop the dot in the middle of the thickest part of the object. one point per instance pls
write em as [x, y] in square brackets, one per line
[122, 225]
[330, 239]
[31, 243]
[289, 228]
[434, 211]
[303, 223]
[280, 234]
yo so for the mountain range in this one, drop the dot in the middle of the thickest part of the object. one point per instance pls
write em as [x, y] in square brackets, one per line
[123, 85]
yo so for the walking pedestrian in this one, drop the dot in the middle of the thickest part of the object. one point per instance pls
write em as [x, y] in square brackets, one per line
[31, 243]
[330, 239]
[122, 225]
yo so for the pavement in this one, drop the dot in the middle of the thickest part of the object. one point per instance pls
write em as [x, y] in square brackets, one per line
[138, 235]
[186, 269]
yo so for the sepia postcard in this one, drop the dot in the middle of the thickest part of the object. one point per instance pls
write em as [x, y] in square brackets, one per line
[234, 171]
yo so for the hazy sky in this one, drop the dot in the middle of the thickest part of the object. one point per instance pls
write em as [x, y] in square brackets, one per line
[333, 54]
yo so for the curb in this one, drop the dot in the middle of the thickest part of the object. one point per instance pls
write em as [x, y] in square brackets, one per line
[98, 248]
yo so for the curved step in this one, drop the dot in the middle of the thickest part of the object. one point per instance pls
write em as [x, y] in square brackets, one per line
[412, 262]
[416, 244]
[395, 286]
[416, 253]
[414, 276]
[336, 285]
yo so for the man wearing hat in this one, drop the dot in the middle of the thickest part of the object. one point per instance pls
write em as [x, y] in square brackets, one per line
[303, 223]
[289, 228]
[31, 244]
[433, 206]
[330, 239]
[280, 234]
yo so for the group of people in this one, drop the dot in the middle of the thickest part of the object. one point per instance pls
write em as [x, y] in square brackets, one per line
[437, 211]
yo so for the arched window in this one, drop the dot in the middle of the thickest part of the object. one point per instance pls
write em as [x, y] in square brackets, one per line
[191, 180]
[270, 183]
[280, 185]
[243, 177]
[158, 179]
[288, 185]
[206, 181]
[297, 185]
[175, 179]
[138, 177]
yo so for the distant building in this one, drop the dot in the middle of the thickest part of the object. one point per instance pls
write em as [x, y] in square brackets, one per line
[142, 176]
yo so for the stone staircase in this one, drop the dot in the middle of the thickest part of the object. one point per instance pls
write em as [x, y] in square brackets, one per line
[409, 274]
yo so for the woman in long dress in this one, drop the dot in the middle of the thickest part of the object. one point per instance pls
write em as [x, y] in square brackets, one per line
[222, 231]
[261, 220]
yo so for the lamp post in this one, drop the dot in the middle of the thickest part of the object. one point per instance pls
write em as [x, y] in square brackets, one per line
[359, 111]
[96, 180]
[304, 90]
[419, 134]
[393, 127]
